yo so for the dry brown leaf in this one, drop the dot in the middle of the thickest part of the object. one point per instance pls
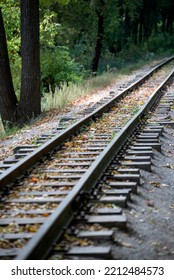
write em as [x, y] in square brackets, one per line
[150, 203]
[45, 214]
[32, 228]
[34, 180]
[156, 184]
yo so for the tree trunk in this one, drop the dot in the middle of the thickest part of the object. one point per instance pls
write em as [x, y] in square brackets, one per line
[126, 28]
[163, 27]
[169, 23]
[99, 43]
[141, 28]
[30, 101]
[8, 100]
[135, 31]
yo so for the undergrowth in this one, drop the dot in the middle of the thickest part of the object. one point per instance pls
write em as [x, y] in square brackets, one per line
[66, 93]
[7, 131]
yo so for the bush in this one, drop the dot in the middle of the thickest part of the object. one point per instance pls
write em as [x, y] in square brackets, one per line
[57, 68]
[160, 43]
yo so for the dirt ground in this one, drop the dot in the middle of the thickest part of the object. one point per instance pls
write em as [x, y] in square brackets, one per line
[150, 214]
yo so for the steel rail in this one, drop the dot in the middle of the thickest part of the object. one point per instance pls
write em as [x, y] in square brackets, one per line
[28, 161]
[40, 245]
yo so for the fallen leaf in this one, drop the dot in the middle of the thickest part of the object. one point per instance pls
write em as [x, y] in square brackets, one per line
[124, 244]
[150, 203]
[45, 214]
[156, 184]
[164, 185]
[32, 228]
[156, 244]
[171, 166]
[34, 180]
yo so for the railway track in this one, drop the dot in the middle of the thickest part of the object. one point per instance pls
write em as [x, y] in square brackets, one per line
[61, 197]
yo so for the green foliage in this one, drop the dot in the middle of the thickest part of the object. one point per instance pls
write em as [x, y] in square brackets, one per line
[57, 67]
[11, 17]
[98, 5]
[134, 7]
[6, 130]
[49, 28]
[56, 64]
[68, 31]
[67, 93]
[49, 2]
[159, 43]
[78, 30]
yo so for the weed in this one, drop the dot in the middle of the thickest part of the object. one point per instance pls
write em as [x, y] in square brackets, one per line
[113, 134]
[135, 110]
[5, 130]
[67, 93]
[2, 131]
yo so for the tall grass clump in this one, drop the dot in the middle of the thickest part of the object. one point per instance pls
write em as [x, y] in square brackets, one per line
[63, 95]
[6, 130]
[2, 131]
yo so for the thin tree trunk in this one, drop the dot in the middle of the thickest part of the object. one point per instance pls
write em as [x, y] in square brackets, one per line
[30, 102]
[163, 27]
[126, 28]
[99, 43]
[135, 31]
[8, 99]
[169, 23]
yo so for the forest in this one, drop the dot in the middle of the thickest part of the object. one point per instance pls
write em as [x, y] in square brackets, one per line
[45, 44]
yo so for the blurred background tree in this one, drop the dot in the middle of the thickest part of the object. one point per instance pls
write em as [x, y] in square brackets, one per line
[79, 38]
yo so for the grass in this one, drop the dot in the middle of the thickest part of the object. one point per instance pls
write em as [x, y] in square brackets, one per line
[7, 131]
[64, 95]
[2, 131]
